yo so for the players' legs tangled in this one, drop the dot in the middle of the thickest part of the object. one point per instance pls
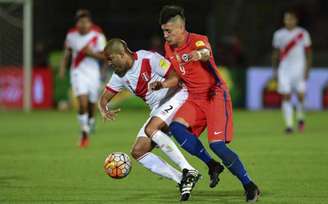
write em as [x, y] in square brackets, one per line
[141, 151]
[189, 142]
[287, 108]
[83, 119]
[164, 142]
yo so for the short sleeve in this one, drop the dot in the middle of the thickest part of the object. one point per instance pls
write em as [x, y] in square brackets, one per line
[307, 40]
[159, 64]
[276, 41]
[201, 42]
[115, 84]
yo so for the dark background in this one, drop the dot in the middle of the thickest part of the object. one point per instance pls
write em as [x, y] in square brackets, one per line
[240, 31]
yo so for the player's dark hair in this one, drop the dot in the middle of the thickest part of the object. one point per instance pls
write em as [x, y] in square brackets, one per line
[170, 11]
[82, 13]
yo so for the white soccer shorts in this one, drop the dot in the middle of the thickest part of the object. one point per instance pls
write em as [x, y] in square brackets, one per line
[84, 85]
[167, 110]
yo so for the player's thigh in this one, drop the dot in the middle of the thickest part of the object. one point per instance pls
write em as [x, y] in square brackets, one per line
[220, 120]
[166, 112]
[141, 146]
[154, 124]
[93, 90]
[79, 84]
[284, 83]
[191, 114]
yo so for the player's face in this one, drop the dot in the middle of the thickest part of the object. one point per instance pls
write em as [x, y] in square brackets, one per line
[118, 63]
[173, 32]
[290, 20]
[84, 25]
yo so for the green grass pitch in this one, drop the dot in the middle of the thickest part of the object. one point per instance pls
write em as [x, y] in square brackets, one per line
[40, 162]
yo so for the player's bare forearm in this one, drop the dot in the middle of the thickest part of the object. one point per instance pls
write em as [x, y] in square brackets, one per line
[63, 63]
[308, 54]
[170, 82]
[105, 98]
[203, 54]
[275, 61]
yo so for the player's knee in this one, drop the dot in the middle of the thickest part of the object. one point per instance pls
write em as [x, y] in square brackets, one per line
[150, 130]
[137, 152]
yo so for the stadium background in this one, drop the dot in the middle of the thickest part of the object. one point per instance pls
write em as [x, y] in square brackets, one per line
[39, 162]
[240, 33]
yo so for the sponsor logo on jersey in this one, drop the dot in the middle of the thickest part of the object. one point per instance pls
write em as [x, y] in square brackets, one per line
[185, 57]
[200, 43]
[164, 64]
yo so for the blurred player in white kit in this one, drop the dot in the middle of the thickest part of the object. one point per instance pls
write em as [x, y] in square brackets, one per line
[291, 60]
[84, 44]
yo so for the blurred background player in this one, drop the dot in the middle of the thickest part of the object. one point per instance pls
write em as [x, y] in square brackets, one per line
[134, 71]
[208, 104]
[84, 44]
[292, 52]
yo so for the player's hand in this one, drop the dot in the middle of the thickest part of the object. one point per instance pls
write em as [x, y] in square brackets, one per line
[156, 85]
[109, 114]
[194, 56]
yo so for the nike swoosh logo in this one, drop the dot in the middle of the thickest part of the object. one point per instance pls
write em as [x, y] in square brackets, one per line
[216, 133]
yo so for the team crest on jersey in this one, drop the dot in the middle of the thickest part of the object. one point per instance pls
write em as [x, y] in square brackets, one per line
[145, 76]
[185, 57]
[200, 43]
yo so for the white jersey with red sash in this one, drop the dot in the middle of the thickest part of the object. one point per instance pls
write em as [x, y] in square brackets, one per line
[147, 67]
[292, 45]
[76, 42]
[85, 71]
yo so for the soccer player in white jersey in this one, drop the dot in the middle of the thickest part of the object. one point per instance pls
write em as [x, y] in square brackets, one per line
[134, 71]
[84, 43]
[291, 60]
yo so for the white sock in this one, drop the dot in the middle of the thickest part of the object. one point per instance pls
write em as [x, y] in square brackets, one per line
[160, 167]
[171, 150]
[300, 111]
[84, 122]
[287, 109]
[91, 122]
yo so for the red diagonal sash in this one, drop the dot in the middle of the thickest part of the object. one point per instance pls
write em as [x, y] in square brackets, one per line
[285, 51]
[81, 55]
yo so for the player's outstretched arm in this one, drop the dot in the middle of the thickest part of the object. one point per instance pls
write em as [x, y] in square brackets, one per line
[202, 54]
[106, 113]
[170, 82]
[275, 61]
[308, 54]
[97, 55]
[63, 63]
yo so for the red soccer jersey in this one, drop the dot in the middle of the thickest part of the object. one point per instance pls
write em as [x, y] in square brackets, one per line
[199, 77]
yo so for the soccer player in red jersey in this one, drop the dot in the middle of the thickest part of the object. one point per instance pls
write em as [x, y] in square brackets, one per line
[208, 104]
